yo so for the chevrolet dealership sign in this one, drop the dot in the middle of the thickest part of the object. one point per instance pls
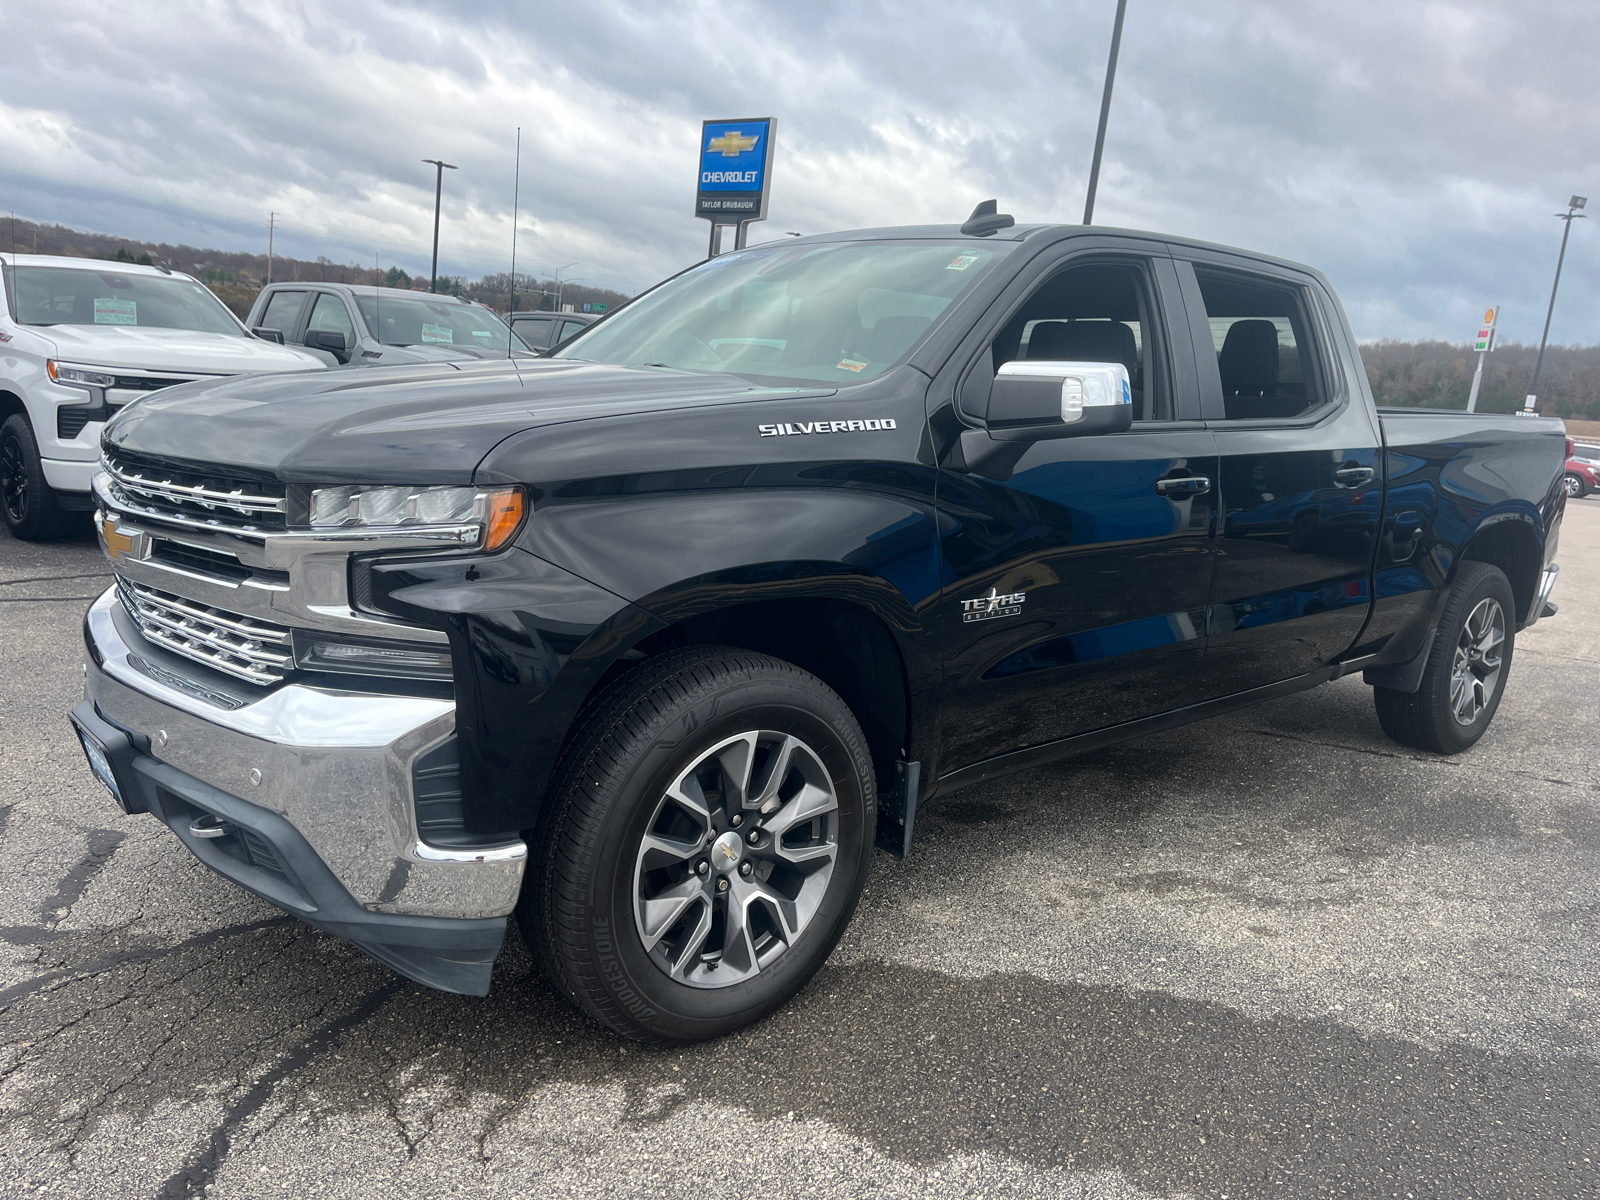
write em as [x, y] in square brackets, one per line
[735, 168]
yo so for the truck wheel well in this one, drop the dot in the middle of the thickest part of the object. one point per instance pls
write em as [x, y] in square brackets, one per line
[846, 647]
[10, 405]
[1514, 548]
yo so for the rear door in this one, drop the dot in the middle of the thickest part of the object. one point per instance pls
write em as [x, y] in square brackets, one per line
[1077, 570]
[1301, 484]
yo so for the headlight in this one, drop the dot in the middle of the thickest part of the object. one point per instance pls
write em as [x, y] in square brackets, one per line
[61, 374]
[497, 512]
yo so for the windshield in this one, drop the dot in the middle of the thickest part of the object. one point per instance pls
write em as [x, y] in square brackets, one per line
[100, 296]
[435, 321]
[836, 314]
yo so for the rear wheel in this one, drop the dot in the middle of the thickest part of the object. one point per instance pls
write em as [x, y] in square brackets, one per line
[1466, 670]
[26, 501]
[1575, 485]
[710, 834]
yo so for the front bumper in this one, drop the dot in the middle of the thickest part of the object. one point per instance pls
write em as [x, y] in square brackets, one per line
[314, 789]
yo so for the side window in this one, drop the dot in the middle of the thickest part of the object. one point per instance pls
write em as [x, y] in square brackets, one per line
[536, 332]
[329, 314]
[1099, 312]
[568, 328]
[1262, 337]
[282, 311]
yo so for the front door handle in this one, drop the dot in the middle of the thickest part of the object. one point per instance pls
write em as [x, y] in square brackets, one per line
[1352, 476]
[1184, 485]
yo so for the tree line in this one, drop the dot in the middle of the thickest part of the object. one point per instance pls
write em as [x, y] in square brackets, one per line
[236, 277]
[1439, 375]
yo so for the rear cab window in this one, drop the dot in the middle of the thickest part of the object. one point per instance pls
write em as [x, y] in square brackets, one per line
[1264, 340]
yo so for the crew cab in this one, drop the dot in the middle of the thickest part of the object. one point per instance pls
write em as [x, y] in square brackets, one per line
[351, 325]
[80, 338]
[650, 642]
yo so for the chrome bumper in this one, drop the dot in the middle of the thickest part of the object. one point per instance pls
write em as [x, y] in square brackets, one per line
[335, 764]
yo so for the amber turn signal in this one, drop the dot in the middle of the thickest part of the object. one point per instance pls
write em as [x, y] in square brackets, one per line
[506, 510]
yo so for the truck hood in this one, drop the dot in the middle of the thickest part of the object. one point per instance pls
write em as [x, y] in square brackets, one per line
[419, 425]
[180, 350]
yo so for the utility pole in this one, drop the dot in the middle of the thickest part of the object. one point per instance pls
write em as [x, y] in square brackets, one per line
[438, 194]
[1105, 114]
[272, 222]
[1572, 214]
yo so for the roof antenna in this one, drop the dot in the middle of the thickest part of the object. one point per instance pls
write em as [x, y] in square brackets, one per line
[516, 189]
[986, 220]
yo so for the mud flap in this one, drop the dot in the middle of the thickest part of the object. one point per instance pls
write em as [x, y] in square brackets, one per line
[897, 812]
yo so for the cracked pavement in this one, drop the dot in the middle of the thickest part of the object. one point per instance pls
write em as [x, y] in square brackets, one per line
[1269, 955]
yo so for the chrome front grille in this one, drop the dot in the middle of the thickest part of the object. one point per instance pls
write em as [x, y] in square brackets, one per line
[244, 647]
[196, 496]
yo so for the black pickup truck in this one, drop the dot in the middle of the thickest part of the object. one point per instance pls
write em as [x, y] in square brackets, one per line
[652, 641]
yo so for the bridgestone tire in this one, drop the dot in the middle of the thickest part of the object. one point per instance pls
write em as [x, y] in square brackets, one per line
[577, 909]
[26, 500]
[1424, 719]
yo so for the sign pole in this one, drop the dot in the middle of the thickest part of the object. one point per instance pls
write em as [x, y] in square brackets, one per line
[1483, 343]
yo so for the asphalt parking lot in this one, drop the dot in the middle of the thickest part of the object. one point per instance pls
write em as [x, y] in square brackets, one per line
[1274, 954]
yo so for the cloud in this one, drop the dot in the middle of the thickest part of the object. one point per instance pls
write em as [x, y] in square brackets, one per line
[1414, 152]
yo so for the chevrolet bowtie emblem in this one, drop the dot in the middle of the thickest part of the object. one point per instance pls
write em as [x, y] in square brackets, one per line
[116, 542]
[732, 144]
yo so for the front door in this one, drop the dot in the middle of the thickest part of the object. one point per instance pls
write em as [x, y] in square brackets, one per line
[1301, 476]
[1076, 576]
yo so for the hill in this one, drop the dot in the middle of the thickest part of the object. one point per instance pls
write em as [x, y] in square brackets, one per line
[236, 276]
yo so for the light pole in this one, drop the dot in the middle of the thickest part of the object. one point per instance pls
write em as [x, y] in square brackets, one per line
[1572, 214]
[561, 284]
[1105, 114]
[438, 194]
[556, 275]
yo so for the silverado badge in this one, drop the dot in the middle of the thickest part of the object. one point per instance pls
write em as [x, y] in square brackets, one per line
[995, 604]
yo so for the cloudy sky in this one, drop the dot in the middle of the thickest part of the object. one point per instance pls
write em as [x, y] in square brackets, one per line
[1414, 151]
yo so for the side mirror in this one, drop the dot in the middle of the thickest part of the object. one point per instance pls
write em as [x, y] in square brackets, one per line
[330, 340]
[268, 335]
[1035, 399]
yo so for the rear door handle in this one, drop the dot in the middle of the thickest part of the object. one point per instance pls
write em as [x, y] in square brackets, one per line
[1184, 485]
[1351, 477]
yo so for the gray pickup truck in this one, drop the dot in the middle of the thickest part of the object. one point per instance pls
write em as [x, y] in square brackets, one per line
[348, 324]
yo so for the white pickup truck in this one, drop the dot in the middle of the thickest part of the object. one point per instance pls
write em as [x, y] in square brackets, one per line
[79, 339]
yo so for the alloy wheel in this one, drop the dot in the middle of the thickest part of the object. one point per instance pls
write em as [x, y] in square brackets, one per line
[736, 859]
[1574, 485]
[1475, 670]
[14, 478]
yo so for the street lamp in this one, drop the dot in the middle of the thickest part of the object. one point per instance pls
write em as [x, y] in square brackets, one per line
[438, 193]
[556, 275]
[1572, 214]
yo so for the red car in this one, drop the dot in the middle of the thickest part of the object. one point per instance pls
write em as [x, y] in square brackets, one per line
[1583, 468]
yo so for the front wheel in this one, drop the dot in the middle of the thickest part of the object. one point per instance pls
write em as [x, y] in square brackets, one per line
[1465, 675]
[1574, 485]
[709, 835]
[28, 504]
